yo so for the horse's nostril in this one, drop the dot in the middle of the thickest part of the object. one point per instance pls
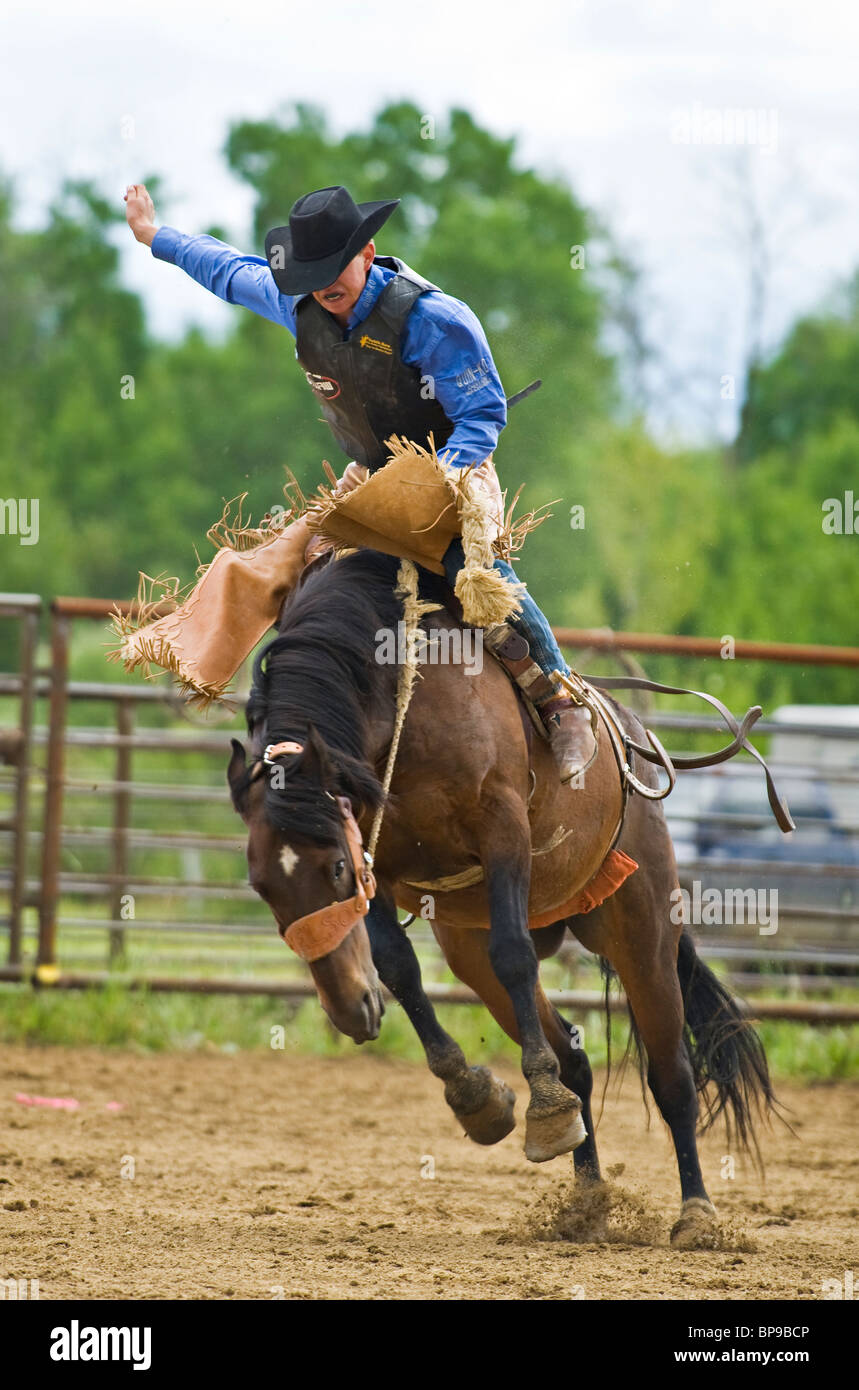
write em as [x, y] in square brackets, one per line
[373, 1009]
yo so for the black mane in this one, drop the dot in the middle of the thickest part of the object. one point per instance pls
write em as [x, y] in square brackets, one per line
[318, 681]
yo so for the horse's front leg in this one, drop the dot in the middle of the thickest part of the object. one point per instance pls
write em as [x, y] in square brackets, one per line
[481, 1102]
[553, 1120]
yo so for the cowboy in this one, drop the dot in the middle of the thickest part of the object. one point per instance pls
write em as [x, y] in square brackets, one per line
[384, 352]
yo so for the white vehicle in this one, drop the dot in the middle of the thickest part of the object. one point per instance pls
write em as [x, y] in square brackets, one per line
[823, 742]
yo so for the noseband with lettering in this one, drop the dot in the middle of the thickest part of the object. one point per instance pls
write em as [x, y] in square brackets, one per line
[319, 933]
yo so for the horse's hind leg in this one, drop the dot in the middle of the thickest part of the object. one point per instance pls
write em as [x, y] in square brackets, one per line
[637, 936]
[481, 1102]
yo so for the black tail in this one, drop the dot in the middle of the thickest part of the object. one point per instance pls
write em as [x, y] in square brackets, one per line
[727, 1056]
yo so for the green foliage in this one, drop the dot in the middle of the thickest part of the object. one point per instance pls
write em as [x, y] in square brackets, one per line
[811, 381]
[673, 541]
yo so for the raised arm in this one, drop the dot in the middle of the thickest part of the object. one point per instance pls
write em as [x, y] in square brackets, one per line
[219, 268]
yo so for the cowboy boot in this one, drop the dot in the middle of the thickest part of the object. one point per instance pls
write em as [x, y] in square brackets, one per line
[567, 724]
[571, 736]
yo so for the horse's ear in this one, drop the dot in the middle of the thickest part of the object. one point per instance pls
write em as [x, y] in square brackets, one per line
[237, 776]
[360, 784]
[316, 761]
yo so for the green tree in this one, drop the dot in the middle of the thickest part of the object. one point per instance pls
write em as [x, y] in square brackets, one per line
[809, 382]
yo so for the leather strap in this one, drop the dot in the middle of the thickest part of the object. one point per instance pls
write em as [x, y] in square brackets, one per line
[740, 730]
[319, 933]
[514, 653]
[274, 750]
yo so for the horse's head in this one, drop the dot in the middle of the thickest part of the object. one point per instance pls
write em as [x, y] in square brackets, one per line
[306, 860]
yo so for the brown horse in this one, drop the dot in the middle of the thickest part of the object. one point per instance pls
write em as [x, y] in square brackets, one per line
[477, 826]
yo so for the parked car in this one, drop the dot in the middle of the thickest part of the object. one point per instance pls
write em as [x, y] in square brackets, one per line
[737, 824]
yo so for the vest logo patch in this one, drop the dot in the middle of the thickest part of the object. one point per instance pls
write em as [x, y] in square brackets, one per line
[376, 344]
[324, 386]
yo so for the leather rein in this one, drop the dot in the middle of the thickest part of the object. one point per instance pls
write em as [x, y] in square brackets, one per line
[586, 690]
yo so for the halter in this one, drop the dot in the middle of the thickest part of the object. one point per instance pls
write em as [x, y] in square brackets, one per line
[318, 933]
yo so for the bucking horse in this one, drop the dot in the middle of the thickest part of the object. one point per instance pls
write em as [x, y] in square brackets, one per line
[476, 822]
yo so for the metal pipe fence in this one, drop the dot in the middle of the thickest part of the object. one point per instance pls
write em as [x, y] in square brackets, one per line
[100, 862]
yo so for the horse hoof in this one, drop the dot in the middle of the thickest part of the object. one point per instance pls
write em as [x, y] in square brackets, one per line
[697, 1227]
[549, 1136]
[482, 1104]
[495, 1119]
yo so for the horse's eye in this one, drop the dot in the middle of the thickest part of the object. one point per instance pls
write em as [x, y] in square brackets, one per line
[339, 867]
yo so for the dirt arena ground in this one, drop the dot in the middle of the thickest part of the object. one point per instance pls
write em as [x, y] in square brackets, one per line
[265, 1176]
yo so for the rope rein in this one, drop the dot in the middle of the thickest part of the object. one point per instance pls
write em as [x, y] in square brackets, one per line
[413, 610]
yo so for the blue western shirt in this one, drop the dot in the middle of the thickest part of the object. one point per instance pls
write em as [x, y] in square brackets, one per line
[442, 338]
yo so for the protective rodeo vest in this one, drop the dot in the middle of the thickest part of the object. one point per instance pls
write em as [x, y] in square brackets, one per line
[366, 390]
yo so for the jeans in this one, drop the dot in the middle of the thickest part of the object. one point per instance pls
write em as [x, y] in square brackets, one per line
[530, 623]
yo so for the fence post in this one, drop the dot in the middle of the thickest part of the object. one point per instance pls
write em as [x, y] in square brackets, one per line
[121, 819]
[27, 608]
[51, 844]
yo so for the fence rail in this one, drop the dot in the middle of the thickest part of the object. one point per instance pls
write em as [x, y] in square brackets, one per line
[796, 1011]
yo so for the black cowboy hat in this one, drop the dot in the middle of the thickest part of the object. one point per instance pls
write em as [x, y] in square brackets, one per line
[326, 231]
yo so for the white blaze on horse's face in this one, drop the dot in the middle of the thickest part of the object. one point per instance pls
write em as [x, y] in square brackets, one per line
[288, 859]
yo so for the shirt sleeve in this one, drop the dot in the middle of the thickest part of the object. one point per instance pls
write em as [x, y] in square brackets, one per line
[233, 277]
[446, 342]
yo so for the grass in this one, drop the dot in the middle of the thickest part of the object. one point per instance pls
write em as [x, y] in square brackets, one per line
[153, 1022]
[801, 1052]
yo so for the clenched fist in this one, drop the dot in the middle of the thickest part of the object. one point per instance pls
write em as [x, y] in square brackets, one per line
[140, 213]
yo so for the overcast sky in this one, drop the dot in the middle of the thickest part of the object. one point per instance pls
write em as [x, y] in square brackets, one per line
[632, 102]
